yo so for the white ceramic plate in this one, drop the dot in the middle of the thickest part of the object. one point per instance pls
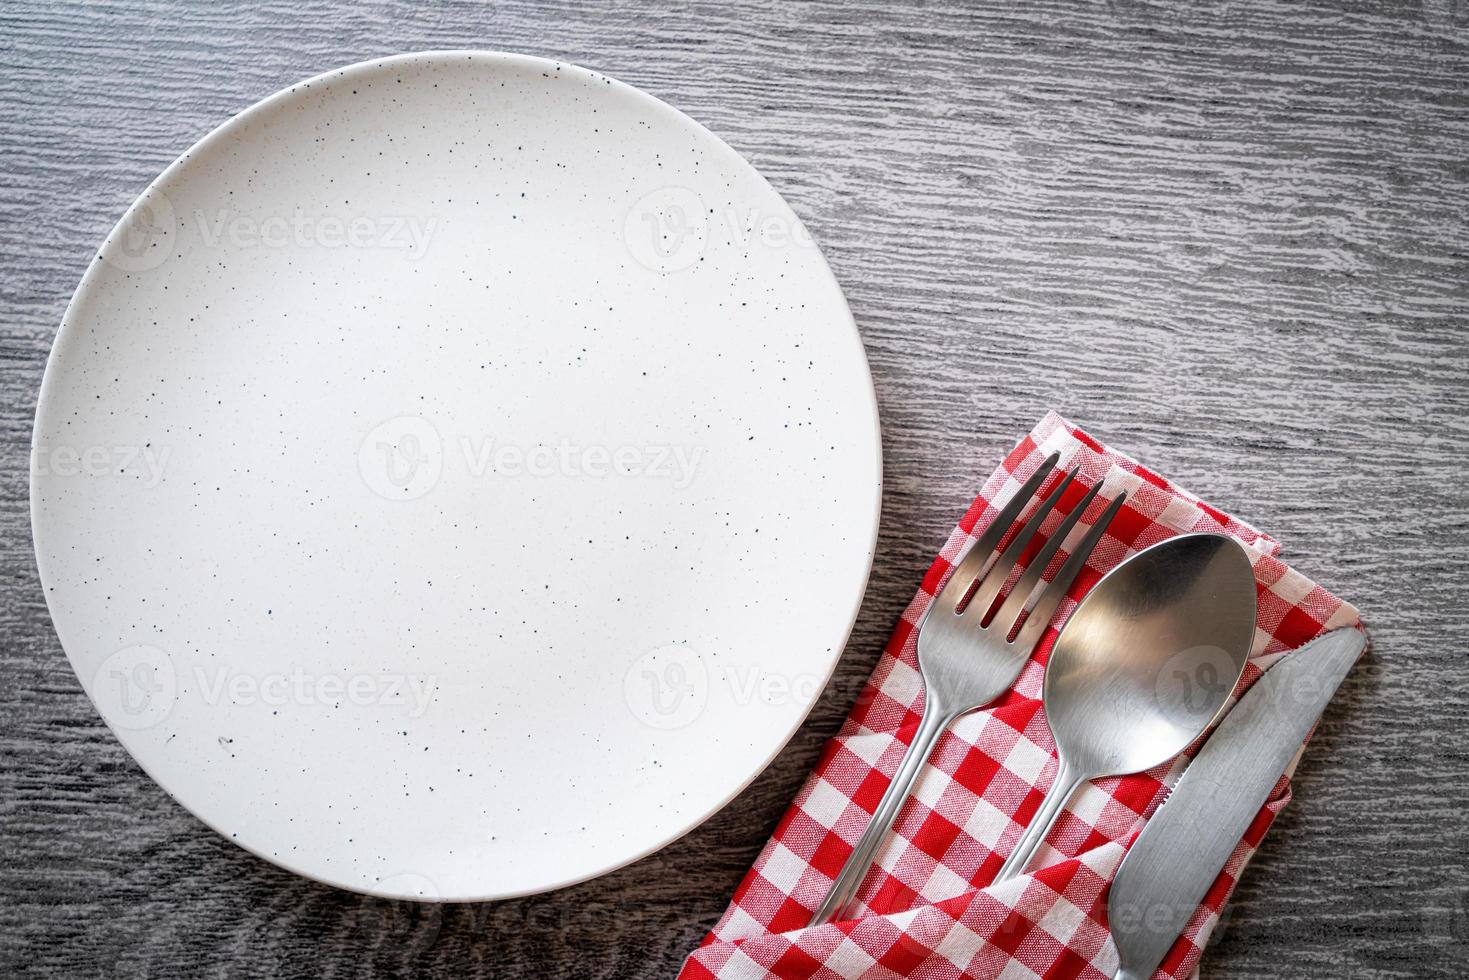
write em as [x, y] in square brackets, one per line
[456, 476]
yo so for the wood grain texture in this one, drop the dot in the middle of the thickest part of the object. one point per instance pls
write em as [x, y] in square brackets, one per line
[1233, 239]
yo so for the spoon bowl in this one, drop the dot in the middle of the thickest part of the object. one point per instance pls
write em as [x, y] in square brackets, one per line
[1144, 666]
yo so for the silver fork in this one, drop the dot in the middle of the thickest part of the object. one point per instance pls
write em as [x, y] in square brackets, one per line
[966, 662]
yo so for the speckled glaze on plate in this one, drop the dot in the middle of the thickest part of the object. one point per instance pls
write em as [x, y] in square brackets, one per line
[456, 476]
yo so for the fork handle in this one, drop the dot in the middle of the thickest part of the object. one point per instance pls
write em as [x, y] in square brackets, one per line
[849, 879]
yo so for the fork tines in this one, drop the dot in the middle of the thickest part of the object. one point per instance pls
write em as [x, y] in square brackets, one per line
[977, 581]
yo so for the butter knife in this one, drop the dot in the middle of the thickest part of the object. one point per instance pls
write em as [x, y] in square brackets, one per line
[1180, 852]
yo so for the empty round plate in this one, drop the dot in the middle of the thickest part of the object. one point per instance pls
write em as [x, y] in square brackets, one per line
[456, 476]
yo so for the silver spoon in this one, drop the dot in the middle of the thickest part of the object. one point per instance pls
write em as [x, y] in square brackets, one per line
[1143, 666]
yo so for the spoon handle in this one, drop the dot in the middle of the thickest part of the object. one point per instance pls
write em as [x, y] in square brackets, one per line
[849, 879]
[1062, 788]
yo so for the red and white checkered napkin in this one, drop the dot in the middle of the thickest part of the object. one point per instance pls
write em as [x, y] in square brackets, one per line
[927, 909]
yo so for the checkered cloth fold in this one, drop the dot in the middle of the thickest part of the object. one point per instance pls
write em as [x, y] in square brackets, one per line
[927, 909]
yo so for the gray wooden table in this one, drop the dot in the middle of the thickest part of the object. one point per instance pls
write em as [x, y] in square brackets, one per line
[1233, 240]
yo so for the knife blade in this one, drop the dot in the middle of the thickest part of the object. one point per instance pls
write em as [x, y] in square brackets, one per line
[1179, 854]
